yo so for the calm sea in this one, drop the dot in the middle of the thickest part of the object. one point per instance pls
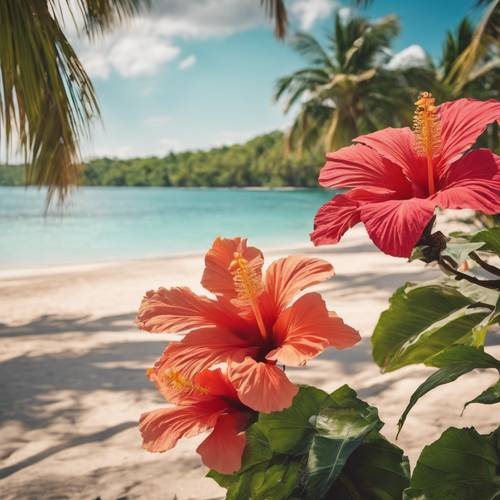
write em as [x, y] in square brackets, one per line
[108, 224]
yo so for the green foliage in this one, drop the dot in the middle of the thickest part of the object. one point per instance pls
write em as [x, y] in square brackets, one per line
[453, 362]
[423, 320]
[343, 87]
[460, 465]
[323, 446]
[259, 162]
[489, 396]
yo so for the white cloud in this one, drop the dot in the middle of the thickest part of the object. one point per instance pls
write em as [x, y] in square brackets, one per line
[188, 62]
[141, 55]
[412, 56]
[149, 41]
[309, 11]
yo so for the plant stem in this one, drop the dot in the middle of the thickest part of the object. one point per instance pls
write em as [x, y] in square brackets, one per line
[492, 284]
[485, 265]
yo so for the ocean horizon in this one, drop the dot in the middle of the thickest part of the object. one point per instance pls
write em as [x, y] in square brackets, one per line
[107, 224]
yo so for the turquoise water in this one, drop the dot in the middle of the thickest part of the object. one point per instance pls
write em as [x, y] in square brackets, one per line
[108, 224]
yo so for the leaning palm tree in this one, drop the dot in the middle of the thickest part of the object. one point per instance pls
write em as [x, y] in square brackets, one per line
[46, 98]
[482, 83]
[348, 88]
[481, 55]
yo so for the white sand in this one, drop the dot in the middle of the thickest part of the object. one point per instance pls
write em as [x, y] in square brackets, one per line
[73, 386]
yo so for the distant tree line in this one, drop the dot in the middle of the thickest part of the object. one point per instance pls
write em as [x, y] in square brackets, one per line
[259, 162]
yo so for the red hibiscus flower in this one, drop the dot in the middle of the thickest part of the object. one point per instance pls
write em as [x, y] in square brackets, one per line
[208, 402]
[251, 325]
[399, 176]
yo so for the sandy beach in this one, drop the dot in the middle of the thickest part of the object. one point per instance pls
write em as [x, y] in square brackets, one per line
[72, 370]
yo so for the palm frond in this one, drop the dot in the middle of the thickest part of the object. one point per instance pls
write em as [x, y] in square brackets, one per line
[47, 101]
[486, 35]
[277, 12]
[97, 16]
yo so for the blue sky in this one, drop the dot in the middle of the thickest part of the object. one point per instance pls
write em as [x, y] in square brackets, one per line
[201, 73]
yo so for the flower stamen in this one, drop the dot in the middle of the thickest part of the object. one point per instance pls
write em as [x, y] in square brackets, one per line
[427, 129]
[248, 286]
[178, 381]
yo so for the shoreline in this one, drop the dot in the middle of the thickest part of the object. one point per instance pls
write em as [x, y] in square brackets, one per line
[46, 270]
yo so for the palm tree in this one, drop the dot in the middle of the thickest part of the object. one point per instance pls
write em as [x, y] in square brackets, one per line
[46, 98]
[347, 88]
[481, 55]
[482, 83]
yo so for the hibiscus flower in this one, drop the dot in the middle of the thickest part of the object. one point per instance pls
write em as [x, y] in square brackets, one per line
[252, 324]
[399, 176]
[207, 402]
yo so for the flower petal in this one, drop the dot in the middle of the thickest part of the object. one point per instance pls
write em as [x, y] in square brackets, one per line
[217, 278]
[395, 226]
[334, 218]
[342, 212]
[397, 146]
[307, 328]
[223, 448]
[288, 276]
[176, 310]
[262, 386]
[462, 122]
[217, 383]
[473, 182]
[162, 428]
[202, 349]
[362, 166]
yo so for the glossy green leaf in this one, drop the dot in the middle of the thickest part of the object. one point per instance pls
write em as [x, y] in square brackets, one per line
[339, 433]
[458, 249]
[490, 238]
[460, 465]
[422, 321]
[452, 363]
[376, 470]
[340, 429]
[290, 430]
[489, 396]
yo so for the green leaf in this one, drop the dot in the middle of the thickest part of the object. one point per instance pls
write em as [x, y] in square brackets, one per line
[290, 430]
[460, 465]
[453, 363]
[488, 397]
[459, 249]
[340, 429]
[376, 470]
[490, 238]
[263, 475]
[422, 321]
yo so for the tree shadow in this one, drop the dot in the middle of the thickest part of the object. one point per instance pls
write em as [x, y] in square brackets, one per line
[53, 324]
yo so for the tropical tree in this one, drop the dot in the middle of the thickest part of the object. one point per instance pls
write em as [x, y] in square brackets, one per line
[483, 83]
[481, 54]
[348, 88]
[46, 98]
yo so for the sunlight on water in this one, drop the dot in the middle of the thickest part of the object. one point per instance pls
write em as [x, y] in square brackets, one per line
[107, 224]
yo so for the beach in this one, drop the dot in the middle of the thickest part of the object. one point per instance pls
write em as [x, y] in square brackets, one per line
[72, 367]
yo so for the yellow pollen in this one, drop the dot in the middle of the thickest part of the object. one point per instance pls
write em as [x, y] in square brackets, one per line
[427, 129]
[175, 379]
[248, 286]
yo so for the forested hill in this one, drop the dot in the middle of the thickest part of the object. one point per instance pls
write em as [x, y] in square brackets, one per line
[259, 162]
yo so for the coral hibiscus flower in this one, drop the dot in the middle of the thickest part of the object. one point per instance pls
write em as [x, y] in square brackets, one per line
[207, 402]
[252, 324]
[398, 176]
